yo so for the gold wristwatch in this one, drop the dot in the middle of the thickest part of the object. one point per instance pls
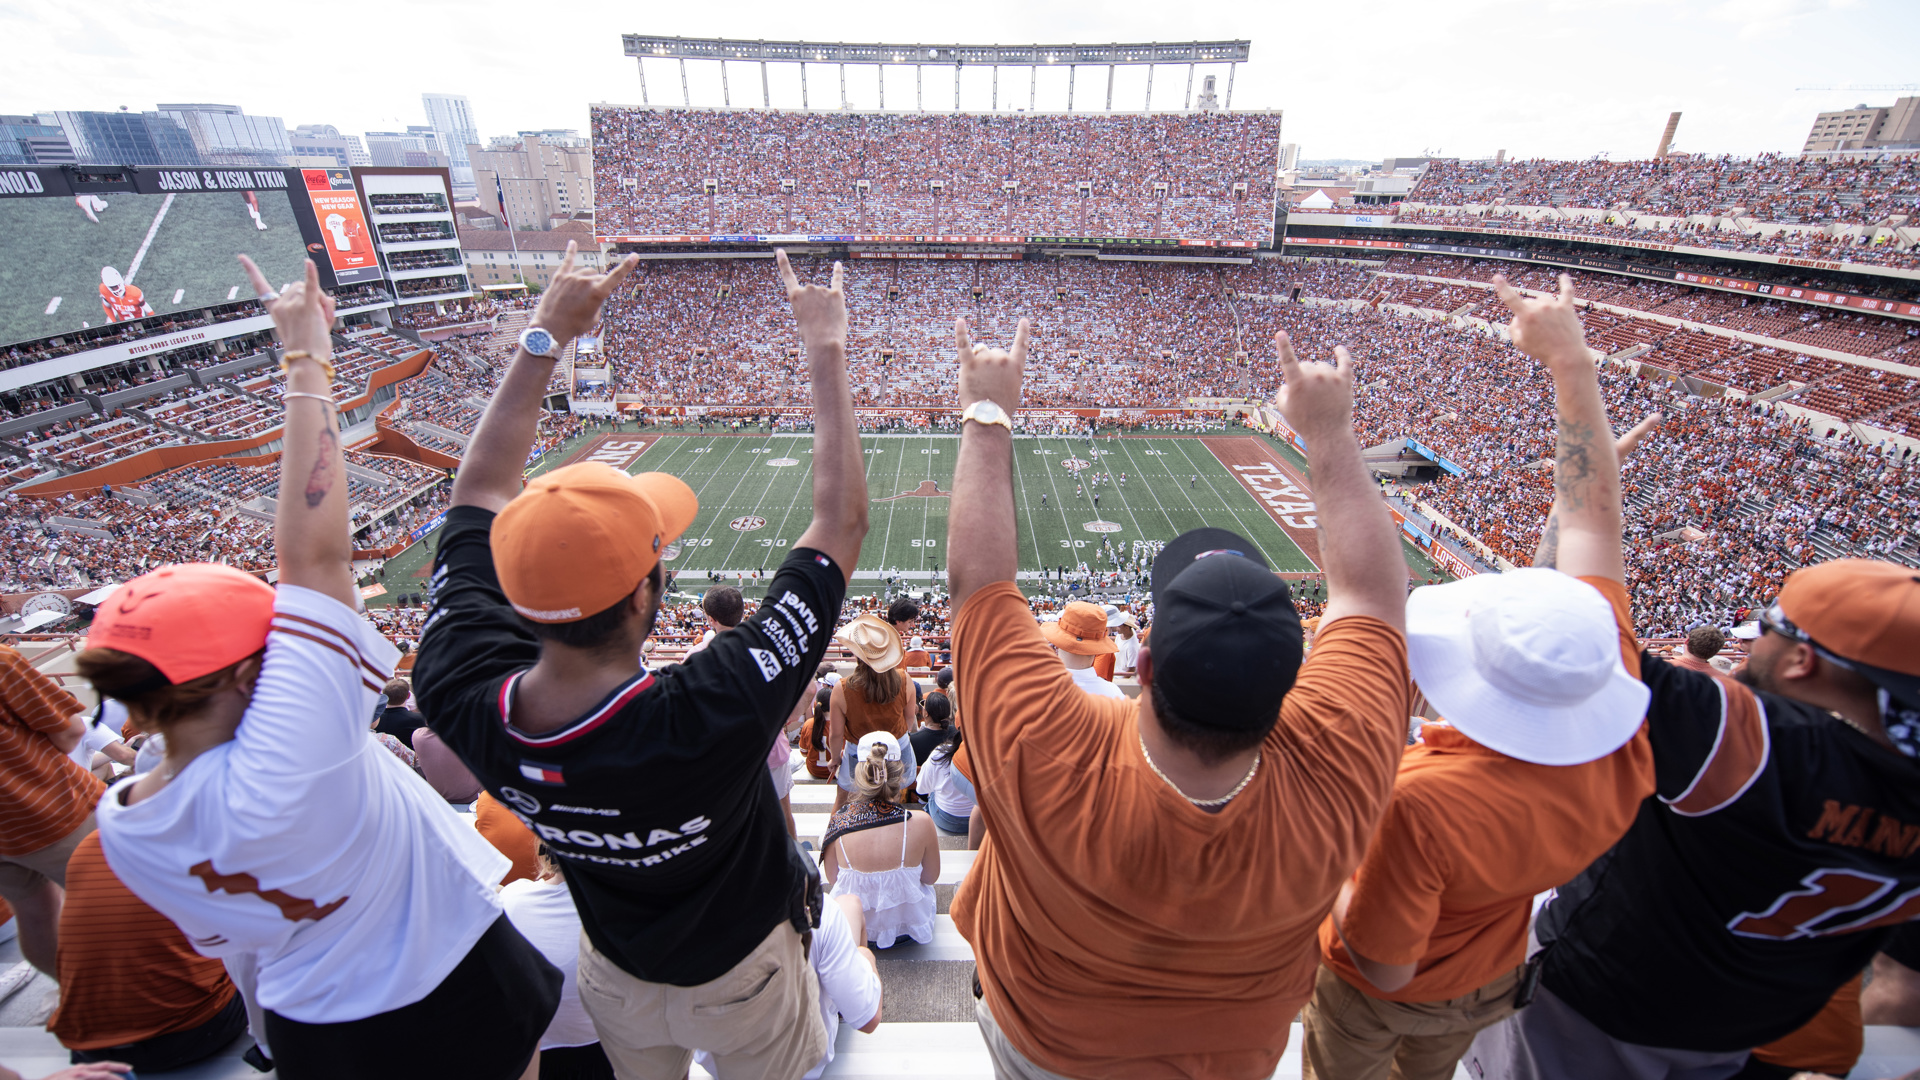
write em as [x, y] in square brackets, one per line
[986, 412]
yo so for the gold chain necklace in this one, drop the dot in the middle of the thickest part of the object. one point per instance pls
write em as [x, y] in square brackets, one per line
[1222, 800]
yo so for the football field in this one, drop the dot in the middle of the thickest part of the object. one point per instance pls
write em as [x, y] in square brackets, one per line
[755, 497]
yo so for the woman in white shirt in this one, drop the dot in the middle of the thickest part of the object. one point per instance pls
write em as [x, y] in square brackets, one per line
[274, 826]
[542, 909]
[880, 852]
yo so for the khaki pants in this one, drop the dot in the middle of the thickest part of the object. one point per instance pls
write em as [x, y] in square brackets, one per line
[1350, 1036]
[760, 1021]
[1008, 1062]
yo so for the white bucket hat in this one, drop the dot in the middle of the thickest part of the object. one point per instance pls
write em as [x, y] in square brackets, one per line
[1526, 663]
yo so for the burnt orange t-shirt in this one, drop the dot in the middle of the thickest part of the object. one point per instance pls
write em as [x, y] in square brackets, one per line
[509, 836]
[43, 794]
[126, 972]
[1829, 1043]
[1122, 932]
[1469, 838]
[894, 717]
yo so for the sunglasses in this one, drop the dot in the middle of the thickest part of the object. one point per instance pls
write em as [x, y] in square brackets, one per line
[1775, 621]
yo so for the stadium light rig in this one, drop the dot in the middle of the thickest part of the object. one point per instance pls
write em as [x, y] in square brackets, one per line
[643, 47]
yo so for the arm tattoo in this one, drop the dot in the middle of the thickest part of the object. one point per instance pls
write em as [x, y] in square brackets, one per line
[1548, 553]
[320, 480]
[1573, 463]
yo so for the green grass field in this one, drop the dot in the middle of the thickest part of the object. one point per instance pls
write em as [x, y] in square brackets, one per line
[755, 500]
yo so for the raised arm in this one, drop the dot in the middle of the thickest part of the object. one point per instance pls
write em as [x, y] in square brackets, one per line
[490, 473]
[982, 538]
[1582, 534]
[839, 475]
[310, 536]
[1359, 547]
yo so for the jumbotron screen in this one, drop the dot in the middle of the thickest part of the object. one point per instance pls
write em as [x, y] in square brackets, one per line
[83, 247]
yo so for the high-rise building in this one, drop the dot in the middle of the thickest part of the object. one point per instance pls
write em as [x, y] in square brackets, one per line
[451, 117]
[1863, 127]
[29, 140]
[322, 145]
[542, 182]
[416, 147]
[126, 138]
[224, 135]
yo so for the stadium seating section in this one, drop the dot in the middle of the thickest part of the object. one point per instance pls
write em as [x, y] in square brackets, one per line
[681, 172]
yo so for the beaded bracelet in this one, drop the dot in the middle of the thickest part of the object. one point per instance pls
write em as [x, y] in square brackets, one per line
[287, 358]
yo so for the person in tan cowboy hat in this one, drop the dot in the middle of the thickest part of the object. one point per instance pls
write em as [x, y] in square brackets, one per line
[878, 696]
[1079, 636]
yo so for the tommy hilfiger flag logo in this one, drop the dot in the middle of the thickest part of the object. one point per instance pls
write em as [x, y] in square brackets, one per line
[542, 774]
[823, 560]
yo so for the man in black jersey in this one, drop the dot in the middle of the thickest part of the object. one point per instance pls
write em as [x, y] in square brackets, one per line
[1776, 858]
[651, 787]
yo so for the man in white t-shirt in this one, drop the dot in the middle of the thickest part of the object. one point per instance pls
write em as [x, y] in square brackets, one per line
[1079, 636]
[1128, 643]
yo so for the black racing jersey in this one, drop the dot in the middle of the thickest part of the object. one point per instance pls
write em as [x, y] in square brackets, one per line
[657, 800]
[1775, 857]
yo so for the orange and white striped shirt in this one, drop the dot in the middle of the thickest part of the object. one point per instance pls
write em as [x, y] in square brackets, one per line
[43, 794]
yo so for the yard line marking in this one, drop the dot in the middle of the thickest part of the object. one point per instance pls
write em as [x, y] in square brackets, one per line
[1020, 484]
[233, 292]
[886, 538]
[1158, 503]
[1244, 531]
[53, 306]
[141, 255]
[727, 503]
[178, 293]
[793, 500]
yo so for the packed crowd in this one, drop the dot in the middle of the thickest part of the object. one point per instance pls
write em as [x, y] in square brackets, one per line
[1207, 175]
[1877, 248]
[1352, 829]
[1770, 187]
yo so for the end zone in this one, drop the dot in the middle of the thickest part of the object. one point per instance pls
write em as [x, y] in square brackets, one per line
[1275, 485]
[619, 451]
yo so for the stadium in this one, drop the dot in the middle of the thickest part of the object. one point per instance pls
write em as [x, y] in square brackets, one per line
[1767, 308]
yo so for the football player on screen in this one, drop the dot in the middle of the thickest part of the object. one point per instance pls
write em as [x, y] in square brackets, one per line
[121, 299]
[89, 205]
[253, 210]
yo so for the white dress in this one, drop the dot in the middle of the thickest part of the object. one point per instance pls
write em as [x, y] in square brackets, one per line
[894, 901]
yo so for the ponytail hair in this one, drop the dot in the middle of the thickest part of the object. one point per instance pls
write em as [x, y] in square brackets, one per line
[875, 779]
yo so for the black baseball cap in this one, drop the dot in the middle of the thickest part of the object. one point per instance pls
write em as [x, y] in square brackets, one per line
[1226, 638]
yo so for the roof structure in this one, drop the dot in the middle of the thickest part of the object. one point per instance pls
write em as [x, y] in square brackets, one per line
[644, 47]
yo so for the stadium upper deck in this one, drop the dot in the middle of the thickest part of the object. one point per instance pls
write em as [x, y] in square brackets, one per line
[703, 176]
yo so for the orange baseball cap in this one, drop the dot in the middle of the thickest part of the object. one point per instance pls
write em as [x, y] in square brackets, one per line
[581, 537]
[187, 620]
[1859, 609]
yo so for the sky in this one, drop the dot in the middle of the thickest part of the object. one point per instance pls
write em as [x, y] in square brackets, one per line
[1466, 78]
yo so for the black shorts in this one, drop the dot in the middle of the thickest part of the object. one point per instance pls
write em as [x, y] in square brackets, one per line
[482, 1022]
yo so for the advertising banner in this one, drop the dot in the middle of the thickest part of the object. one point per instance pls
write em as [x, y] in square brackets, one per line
[1344, 241]
[1426, 451]
[30, 183]
[343, 227]
[426, 527]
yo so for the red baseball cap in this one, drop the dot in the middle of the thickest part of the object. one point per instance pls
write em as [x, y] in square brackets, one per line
[187, 620]
[581, 537]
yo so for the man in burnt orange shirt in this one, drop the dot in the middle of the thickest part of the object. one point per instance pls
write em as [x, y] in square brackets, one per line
[1145, 904]
[1541, 767]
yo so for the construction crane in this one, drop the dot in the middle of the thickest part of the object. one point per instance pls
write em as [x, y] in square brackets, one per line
[1874, 86]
